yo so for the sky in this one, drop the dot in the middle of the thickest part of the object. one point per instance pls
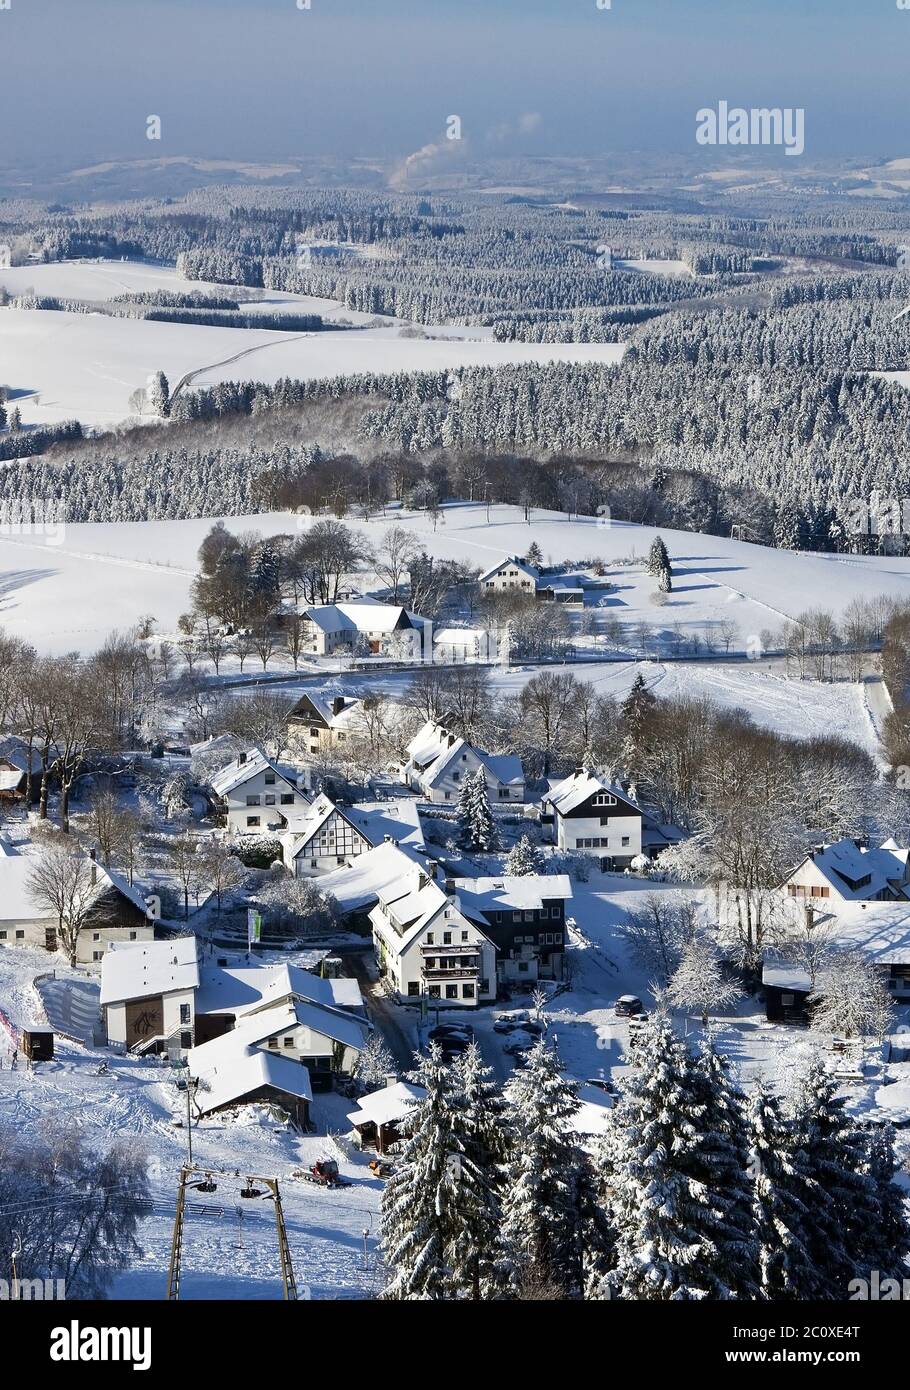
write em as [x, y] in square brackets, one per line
[265, 79]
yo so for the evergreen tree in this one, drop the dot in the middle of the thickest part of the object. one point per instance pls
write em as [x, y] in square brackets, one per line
[845, 1194]
[159, 393]
[15, 419]
[888, 1236]
[539, 1234]
[635, 711]
[419, 1200]
[673, 1142]
[479, 1137]
[522, 859]
[658, 557]
[534, 556]
[784, 1198]
[477, 826]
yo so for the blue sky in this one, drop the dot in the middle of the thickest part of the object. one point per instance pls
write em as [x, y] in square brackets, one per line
[260, 78]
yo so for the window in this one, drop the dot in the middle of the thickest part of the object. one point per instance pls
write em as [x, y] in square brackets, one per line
[314, 863]
[270, 800]
[451, 991]
[430, 938]
[516, 916]
[604, 799]
[273, 1042]
[455, 776]
[252, 801]
[97, 955]
[499, 916]
[434, 991]
[625, 842]
[529, 916]
[447, 938]
[557, 938]
[467, 992]
[289, 1042]
[413, 988]
[270, 779]
[787, 1000]
[20, 935]
[548, 938]
[133, 936]
[287, 798]
[96, 936]
[184, 1013]
[314, 733]
[464, 936]
[523, 965]
[186, 1040]
[448, 796]
[252, 820]
[3, 935]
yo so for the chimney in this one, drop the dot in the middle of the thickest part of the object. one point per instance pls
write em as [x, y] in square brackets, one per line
[432, 868]
[387, 839]
[450, 887]
[338, 704]
[391, 1079]
[241, 758]
[93, 857]
[451, 739]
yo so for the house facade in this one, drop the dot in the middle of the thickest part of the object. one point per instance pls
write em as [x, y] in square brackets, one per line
[148, 994]
[525, 918]
[439, 763]
[511, 575]
[584, 815]
[330, 835]
[850, 871]
[427, 947]
[364, 628]
[318, 724]
[256, 797]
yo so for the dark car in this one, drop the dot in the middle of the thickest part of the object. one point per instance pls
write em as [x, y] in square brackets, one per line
[627, 1005]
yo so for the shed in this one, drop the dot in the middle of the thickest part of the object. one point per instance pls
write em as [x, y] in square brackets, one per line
[38, 1043]
[378, 1116]
[787, 989]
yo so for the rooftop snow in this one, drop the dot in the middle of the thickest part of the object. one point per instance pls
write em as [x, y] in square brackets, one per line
[136, 970]
[386, 1106]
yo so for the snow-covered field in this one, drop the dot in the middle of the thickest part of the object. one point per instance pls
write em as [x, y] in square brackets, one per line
[62, 365]
[93, 577]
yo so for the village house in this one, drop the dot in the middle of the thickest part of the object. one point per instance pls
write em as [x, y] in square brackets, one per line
[511, 575]
[439, 763]
[364, 627]
[14, 766]
[851, 871]
[255, 796]
[454, 644]
[328, 835]
[148, 994]
[358, 886]
[318, 723]
[584, 815]
[426, 946]
[112, 911]
[524, 917]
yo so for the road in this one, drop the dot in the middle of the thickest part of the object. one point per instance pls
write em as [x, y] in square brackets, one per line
[397, 1024]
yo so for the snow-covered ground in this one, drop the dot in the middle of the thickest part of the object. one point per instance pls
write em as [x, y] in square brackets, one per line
[88, 365]
[59, 589]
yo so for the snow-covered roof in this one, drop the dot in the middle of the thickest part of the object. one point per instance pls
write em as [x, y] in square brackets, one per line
[136, 970]
[434, 749]
[844, 863]
[366, 615]
[524, 891]
[242, 989]
[369, 875]
[459, 636]
[17, 902]
[375, 821]
[386, 1106]
[243, 768]
[573, 791]
[9, 781]
[240, 1072]
[880, 929]
[512, 562]
[324, 703]
[784, 976]
[14, 751]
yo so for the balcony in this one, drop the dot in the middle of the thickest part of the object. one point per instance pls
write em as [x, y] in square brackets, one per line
[448, 972]
[461, 948]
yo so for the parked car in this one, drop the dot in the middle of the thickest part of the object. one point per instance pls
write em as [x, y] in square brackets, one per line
[520, 1043]
[602, 1085]
[446, 1032]
[627, 1005]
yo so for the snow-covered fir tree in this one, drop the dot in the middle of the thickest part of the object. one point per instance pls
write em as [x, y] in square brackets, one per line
[783, 1201]
[479, 1140]
[671, 1148]
[477, 828]
[540, 1231]
[658, 557]
[159, 393]
[888, 1238]
[522, 858]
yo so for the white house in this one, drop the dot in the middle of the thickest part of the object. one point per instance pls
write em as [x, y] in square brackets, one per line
[357, 886]
[256, 796]
[364, 626]
[851, 871]
[425, 945]
[329, 835]
[585, 815]
[148, 993]
[439, 763]
[454, 644]
[321, 722]
[113, 910]
[510, 575]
